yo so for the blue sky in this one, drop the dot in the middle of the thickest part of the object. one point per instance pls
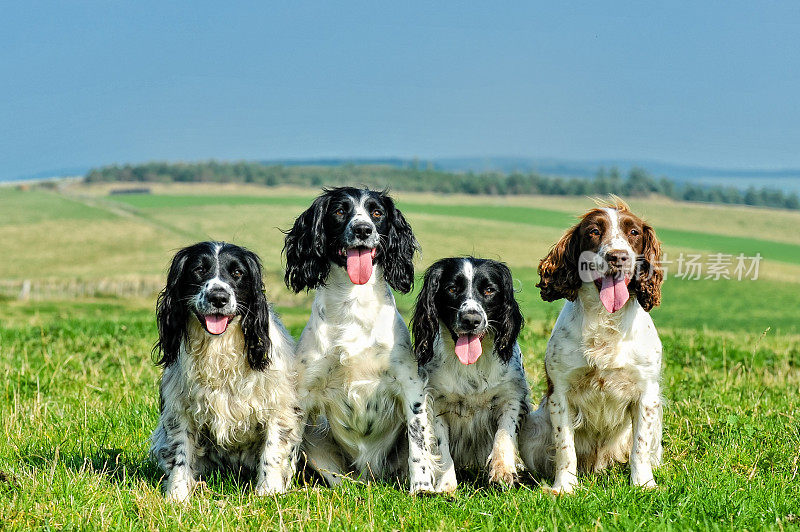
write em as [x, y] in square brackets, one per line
[705, 83]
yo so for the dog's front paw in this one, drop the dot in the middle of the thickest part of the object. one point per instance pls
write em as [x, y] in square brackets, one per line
[502, 472]
[644, 482]
[271, 482]
[421, 477]
[265, 488]
[559, 490]
[448, 482]
[503, 464]
[562, 486]
[642, 475]
[178, 492]
[421, 488]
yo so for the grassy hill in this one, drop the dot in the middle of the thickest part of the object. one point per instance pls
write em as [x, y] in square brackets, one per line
[80, 392]
[87, 234]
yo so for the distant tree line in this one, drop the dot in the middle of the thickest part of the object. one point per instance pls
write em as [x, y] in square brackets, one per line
[636, 183]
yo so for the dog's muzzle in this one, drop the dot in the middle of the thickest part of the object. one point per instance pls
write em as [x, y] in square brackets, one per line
[361, 234]
[215, 307]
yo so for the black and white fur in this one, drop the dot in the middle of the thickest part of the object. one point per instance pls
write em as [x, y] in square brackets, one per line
[478, 407]
[357, 376]
[228, 401]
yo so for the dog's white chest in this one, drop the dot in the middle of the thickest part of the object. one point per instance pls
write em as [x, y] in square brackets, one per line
[463, 390]
[602, 397]
[223, 396]
[230, 411]
[347, 370]
[606, 385]
[360, 410]
[357, 393]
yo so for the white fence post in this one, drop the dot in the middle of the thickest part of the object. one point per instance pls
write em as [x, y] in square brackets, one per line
[25, 291]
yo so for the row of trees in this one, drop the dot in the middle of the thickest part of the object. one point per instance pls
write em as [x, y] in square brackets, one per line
[636, 183]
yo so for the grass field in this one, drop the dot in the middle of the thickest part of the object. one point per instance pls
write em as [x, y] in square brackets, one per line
[80, 392]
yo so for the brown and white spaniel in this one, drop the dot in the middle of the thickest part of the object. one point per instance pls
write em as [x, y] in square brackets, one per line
[603, 361]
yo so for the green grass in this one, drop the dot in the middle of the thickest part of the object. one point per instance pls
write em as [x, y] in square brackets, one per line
[80, 390]
[32, 206]
[80, 400]
[778, 251]
[729, 306]
[160, 201]
[683, 239]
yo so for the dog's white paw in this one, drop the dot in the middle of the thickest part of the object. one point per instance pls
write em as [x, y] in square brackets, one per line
[562, 486]
[421, 487]
[265, 489]
[642, 475]
[271, 482]
[421, 478]
[178, 492]
[502, 472]
[644, 482]
[448, 482]
[503, 463]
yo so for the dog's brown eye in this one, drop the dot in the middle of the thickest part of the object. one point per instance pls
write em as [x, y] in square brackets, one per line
[237, 274]
[377, 213]
[452, 290]
[489, 291]
[339, 212]
[594, 232]
[199, 270]
[634, 232]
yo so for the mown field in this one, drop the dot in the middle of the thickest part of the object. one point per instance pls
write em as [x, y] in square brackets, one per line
[79, 396]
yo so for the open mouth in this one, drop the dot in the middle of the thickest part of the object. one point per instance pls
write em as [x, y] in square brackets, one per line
[359, 263]
[613, 291]
[469, 348]
[215, 324]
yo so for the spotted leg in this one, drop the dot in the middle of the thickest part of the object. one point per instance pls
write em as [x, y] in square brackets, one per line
[278, 457]
[504, 457]
[646, 422]
[566, 461]
[447, 482]
[178, 459]
[421, 462]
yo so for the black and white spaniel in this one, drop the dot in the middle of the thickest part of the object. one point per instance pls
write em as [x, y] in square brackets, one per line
[465, 325]
[603, 360]
[357, 376]
[228, 393]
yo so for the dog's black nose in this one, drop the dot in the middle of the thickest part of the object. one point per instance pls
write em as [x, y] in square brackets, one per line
[362, 230]
[218, 298]
[470, 320]
[617, 258]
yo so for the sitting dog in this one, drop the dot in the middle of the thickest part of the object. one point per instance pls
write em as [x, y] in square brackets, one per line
[357, 377]
[603, 360]
[228, 397]
[466, 307]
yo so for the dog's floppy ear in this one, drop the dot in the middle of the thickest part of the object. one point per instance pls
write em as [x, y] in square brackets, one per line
[558, 271]
[649, 275]
[425, 322]
[172, 313]
[255, 318]
[511, 321]
[398, 251]
[305, 246]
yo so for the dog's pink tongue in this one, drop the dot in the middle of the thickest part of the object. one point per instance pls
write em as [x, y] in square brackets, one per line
[359, 265]
[216, 324]
[613, 293]
[468, 348]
